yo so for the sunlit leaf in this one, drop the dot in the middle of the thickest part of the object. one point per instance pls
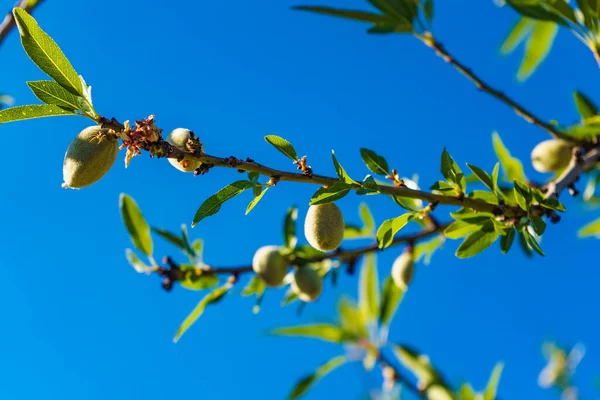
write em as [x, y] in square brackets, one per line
[326, 332]
[136, 224]
[283, 146]
[289, 228]
[392, 296]
[135, 261]
[213, 204]
[375, 162]
[513, 168]
[591, 229]
[20, 113]
[492, 386]
[369, 298]
[308, 381]
[329, 194]
[255, 200]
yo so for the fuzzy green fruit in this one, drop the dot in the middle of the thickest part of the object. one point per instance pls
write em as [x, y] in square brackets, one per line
[89, 157]
[270, 265]
[403, 270]
[324, 227]
[179, 138]
[307, 284]
[551, 155]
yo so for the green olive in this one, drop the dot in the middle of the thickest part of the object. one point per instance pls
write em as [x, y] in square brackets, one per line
[551, 155]
[324, 227]
[307, 284]
[89, 157]
[270, 265]
[179, 138]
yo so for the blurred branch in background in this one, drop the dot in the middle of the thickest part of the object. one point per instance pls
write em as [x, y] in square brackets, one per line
[9, 21]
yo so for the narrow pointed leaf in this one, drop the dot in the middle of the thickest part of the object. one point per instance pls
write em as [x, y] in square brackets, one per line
[585, 106]
[327, 195]
[517, 34]
[591, 229]
[213, 204]
[513, 168]
[476, 242]
[136, 224]
[530, 240]
[361, 16]
[537, 47]
[51, 92]
[374, 162]
[289, 228]
[135, 261]
[506, 241]
[389, 229]
[283, 146]
[392, 296]
[170, 237]
[369, 298]
[255, 200]
[341, 172]
[308, 381]
[32, 111]
[210, 298]
[492, 386]
[367, 219]
[326, 332]
[483, 176]
[45, 53]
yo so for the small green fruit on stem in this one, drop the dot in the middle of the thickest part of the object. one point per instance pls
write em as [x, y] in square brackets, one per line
[89, 157]
[551, 155]
[403, 269]
[183, 139]
[307, 284]
[270, 265]
[324, 227]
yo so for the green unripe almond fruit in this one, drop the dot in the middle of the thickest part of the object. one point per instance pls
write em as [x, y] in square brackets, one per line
[324, 227]
[403, 270]
[179, 138]
[89, 157]
[270, 265]
[551, 155]
[307, 284]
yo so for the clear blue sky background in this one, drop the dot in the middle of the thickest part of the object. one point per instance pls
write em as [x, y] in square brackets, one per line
[80, 323]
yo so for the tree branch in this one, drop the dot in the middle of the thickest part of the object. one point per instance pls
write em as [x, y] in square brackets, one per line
[161, 148]
[173, 273]
[579, 164]
[483, 86]
[9, 21]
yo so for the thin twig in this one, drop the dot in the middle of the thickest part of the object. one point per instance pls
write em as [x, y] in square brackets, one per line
[399, 376]
[483, 86]
[9, 21]
[579, 164]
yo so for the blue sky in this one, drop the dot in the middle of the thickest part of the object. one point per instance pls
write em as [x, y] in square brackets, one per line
[80, 323]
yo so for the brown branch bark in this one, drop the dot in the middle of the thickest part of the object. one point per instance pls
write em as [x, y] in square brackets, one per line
[483, 86]
[579, 164]
[9, 21]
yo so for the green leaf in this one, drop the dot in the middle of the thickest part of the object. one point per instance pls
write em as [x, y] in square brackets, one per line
[45, 53]
[428, 10]
[523, 195]
[374, 162]
[517, 34]
[341, 172]
[585, 106]
[492, 386]
[289, 228]
[524, 245]
[466, 392]
[459, 229]
[539, 226]
[530, 240]
[353, 232]
[329, 194]
[283, 146]
[513, 168]
[135, 261]
[254, 286]
[392, 296]
[452, 172]
[389, 228]
[424, 250]
[506, 241]
[326, 332]
[477, 242]
[369, 186]
[197, 279]
[197, 247]
[591, 229]
[213, 204]
[51, 92]
[403, 10]
[32, 111]
[416, 363]
[361, 16]
[483, 176]
[136, 225]
[535, 9]
[537, 47]
[186, 242]
[170, 237]
[441, 186]
[351, 318]
[255, 200]
[495, 174]
[308, 381]
[210, 298]
[553, 204]
[368, 296]
[367, 219]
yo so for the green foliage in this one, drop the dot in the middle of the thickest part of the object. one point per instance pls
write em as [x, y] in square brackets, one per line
[591, 229]
[213, 204]
[389, 228]
[326, 332]
[392, 296]
[138, 228]
[21, 113]
[375, 162]
[341, 172]
[367, 230]
[330, 194]
[135, 261]
[211, 298]
[308, 381]
[369, 301]
[283, 146]
[512, 167]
